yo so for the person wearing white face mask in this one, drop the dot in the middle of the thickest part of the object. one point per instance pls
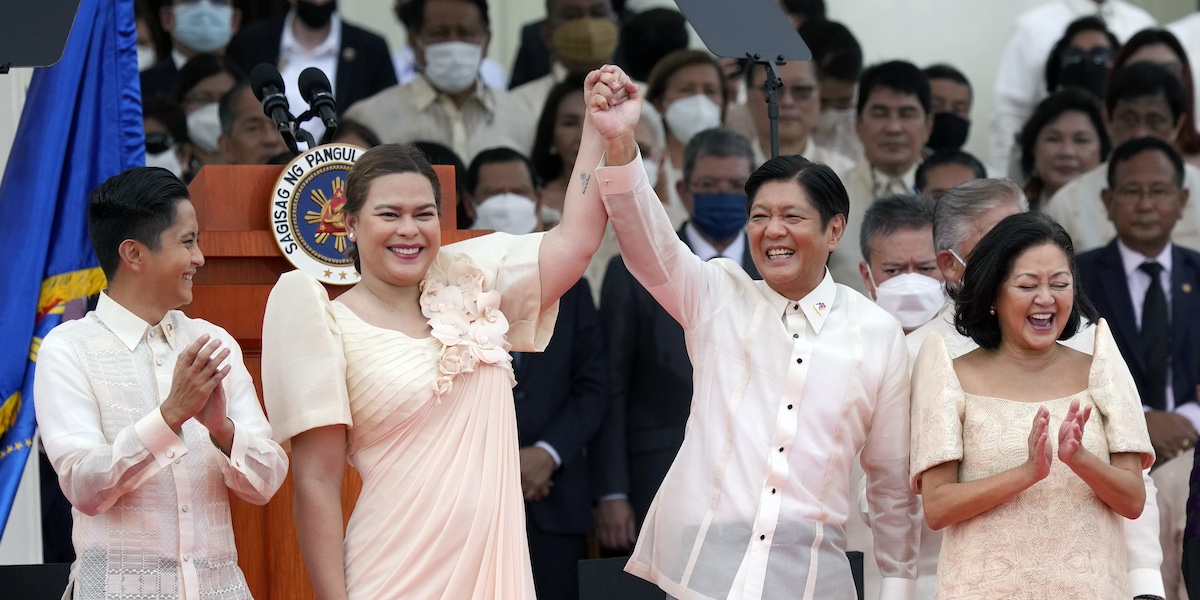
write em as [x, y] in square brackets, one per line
[687, 87]
[195, 27]
[502, 186]
[899, 266]
[313, 34]
[839, 62]
[448, 104]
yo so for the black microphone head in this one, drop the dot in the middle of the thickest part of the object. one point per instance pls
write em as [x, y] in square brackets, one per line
[313, 80]
[265, 75]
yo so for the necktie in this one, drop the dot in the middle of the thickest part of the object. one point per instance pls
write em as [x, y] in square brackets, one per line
[1156, 338]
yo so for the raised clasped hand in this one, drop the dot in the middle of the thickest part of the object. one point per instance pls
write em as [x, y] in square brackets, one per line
[1041, 453]
[614, 101]
[1070, 433]
[198, 373]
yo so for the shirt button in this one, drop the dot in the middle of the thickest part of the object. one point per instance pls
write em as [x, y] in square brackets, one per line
[796, 336]
[781, 449]
[762, 537]
[797, 306]
[177, 461]
[772, 490]
[789, 407]
[185, 508]
[170, 454]
[153, 334]
[187, 557]
[159, 362]
[237, 462]
[799, 361]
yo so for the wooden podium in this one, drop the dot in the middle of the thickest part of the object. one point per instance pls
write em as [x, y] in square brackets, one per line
[242, 264]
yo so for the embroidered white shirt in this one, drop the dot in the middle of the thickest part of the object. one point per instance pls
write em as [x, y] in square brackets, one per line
[151, 509]
[787, 393]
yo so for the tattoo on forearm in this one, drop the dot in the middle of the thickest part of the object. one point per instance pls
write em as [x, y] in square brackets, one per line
[583, 178]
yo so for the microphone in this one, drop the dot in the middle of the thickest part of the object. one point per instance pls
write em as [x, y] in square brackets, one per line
[315, 89]
[267, 85]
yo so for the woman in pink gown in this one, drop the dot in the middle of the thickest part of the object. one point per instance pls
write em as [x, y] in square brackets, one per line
[408, 376]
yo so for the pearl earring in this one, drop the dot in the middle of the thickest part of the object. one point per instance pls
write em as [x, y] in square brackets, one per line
[351, 236]
[992, 311]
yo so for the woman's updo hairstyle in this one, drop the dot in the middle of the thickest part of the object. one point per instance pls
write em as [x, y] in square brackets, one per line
[386, 159]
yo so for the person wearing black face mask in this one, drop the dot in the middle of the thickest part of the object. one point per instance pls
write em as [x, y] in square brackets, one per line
[313, 34]
[951, 97]
[1082, 57]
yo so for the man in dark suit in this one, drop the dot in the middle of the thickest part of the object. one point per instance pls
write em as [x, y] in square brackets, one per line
[561, 396]
[651, 375]
[1149, 288]
[313, 34]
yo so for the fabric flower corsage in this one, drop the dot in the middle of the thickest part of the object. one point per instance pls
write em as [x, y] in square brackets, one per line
[464, 315]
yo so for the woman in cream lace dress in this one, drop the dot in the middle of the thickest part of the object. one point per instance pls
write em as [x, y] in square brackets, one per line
[408, 377]
[1028, 452]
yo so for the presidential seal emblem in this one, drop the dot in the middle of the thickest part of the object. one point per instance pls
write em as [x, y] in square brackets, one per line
[306, 213]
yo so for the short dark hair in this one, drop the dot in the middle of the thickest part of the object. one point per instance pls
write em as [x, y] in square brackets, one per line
[947, 157]
[351, 127]
[836, 53]
[1143, 79]
[1189, 139]
[227, 108]
[438, 154]
[716, 142]
[171, 116]
[893, 213]
[823, 188]
[385, 159]
[1078, 26]
[412, 15]
[945, 71]
[899, 76]
[1047, 112]
[810, 9]
[496, 156]
[1136, 146]
[547, 163]
[992, 262]
[135, 204]
[201, 67]
[650, 35]
[665, 69]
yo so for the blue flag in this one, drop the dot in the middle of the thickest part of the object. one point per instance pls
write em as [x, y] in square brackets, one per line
[82, 123]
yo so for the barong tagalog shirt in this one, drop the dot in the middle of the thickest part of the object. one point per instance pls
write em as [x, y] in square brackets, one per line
[787, 393]
[151, 508]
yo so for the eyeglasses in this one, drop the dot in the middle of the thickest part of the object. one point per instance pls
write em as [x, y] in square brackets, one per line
[1158, 194]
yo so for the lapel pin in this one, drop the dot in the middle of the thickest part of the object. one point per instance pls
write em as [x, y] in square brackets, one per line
[1187, 288]
[348, 54]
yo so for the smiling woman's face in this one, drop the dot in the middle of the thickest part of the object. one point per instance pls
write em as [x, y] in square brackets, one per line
[1035, 300]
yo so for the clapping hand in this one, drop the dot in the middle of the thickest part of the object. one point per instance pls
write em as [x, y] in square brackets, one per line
[1040, 452]
[197, 374]
[1070, 433]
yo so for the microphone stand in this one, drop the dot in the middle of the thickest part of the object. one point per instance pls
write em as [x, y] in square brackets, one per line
[772, 86]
